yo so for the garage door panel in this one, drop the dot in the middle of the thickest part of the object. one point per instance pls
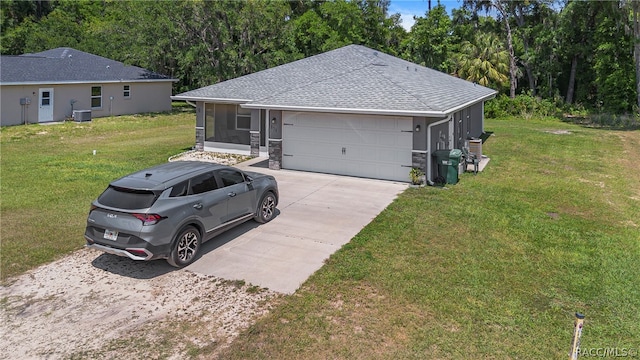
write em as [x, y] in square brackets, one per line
[355, 145]
[394, 157]
[360, 137]
[315, 164]
[312, 120]
[395, 139]
[369, 154]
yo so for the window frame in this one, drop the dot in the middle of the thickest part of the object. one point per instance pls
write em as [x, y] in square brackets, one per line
[96, 96]
[243, 116]
[47, 98]
[185, 191]
[126, 91]
[123, 198]
[210, 176]
[219, 174]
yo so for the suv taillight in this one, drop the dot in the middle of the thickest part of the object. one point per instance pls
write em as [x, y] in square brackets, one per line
[148, 219]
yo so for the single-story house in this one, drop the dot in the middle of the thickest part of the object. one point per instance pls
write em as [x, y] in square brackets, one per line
[351, 111]
[51, 85]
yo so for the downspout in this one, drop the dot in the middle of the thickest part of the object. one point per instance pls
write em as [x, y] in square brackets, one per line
[190, 103]
[429, 154]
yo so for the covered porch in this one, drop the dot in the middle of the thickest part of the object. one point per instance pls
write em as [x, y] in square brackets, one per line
[229, 128]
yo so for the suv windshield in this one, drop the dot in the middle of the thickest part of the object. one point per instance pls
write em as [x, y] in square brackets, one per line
[129, 199]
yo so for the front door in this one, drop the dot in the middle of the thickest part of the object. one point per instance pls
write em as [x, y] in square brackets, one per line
[45, 105]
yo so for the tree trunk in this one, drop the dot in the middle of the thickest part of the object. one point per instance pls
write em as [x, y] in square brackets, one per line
[513, 69]
[572, 79]
[520, 22]
[636, 46]
[532, 80]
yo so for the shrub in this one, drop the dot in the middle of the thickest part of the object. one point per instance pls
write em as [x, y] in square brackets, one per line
[614, 121]
[522, 105]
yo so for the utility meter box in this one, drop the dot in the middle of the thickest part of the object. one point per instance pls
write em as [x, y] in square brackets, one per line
[25, 101]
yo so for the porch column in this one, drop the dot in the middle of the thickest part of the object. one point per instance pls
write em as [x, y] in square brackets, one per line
[275, 139]
[419, 152]
[254, 133]
[200, 126]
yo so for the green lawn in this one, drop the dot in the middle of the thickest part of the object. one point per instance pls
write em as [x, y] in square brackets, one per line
[49, 176]
[493, 267]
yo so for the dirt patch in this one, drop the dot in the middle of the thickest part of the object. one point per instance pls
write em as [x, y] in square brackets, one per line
[559, 132]
[95, 305]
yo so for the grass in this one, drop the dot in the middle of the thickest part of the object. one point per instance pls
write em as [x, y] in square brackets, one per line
[493, 267]
[50, 176]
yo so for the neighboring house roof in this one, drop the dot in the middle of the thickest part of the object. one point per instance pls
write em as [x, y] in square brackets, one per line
[66, 65]
[353, 79]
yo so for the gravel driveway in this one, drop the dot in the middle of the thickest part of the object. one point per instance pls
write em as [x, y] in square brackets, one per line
[99, 306]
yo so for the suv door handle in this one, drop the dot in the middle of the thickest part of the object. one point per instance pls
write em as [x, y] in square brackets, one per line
[231, 194]
[197, 206]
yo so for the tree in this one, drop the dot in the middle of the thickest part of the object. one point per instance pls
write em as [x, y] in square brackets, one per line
[535, 36]
[334, 24]
[544, 59]
[634, 7]
[522, 20]
[613, 60]
[227, 39]
[32, 26]
[575, 36]
[431, 41]
[485, 61]
[501, 7]
[140, 33]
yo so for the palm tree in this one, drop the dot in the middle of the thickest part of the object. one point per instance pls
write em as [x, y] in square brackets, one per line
[485, 61]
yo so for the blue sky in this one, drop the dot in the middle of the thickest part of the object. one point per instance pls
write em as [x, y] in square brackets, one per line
[409, 8]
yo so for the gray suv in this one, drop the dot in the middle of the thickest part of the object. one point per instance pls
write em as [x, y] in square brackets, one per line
[168, 211]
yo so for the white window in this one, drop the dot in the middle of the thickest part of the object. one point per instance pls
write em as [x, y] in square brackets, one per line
[243, 118]
[126, 91]
[96, 97]
[45, 98]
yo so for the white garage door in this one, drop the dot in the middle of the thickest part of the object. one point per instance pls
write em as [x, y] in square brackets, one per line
[357, 145]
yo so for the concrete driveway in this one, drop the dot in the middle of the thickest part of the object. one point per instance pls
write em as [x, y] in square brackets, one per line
[317, 214]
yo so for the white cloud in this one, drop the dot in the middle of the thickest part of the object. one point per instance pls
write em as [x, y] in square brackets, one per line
[407, 10]
[407, 20]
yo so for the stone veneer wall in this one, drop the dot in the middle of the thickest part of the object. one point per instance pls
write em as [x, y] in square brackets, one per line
[275, 154]
[419, 160]
[199, 139]
[255, 143]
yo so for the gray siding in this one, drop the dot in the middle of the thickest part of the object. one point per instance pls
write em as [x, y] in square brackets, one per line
[476, 127]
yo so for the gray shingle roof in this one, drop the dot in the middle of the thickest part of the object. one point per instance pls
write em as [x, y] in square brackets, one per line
[351, 78]
[66, 65]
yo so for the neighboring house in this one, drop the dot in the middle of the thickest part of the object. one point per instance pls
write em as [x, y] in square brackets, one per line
[50, 85]
[351, 111]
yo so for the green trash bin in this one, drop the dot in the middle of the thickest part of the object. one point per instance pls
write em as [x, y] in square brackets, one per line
[448, 161]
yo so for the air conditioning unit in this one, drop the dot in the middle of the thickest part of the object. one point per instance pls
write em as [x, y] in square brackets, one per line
[81, 115]
[475, 146]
